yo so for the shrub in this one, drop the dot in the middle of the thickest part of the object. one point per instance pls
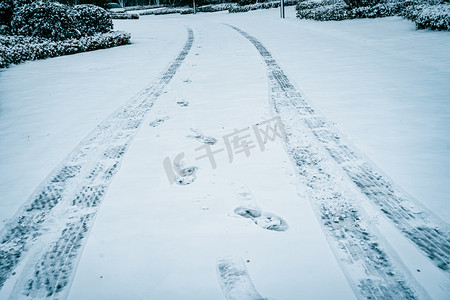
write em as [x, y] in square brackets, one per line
[124, 16]
[215, 7]
[435, 17]
[43, 19]
[335, 11]
[7, 9]
[186, 11]
[89, 19]
[411, 12]
[165, 11]
[238, 9]
[58, 22]
[433, 14]
[16, 49]
[141, 7]
[339, 10]
[361, 3]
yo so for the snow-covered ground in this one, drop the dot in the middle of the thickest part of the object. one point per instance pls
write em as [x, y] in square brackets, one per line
[382, 84]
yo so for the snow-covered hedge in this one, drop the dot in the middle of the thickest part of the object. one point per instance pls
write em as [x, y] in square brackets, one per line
[424, 14]
[216, 7]
[361, 3]
[47, 20]
[7, 8]
[16, 49]
[123, 16]
[141, 7]
[167, 10]
[263, 5]
[188, 10]
[59, 22]
[339, 10]
[436, 17]
[90, 19]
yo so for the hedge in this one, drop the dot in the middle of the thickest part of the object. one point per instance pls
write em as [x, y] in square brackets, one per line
[425, 15]
[166, 10]
[124, 16]
[435, 17]
[16, 49]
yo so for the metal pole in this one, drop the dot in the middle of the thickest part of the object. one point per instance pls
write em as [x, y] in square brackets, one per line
[194, 6]
[282, 9]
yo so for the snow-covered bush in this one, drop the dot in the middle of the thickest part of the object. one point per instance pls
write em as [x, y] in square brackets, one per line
[361, 3]
[43, 19]
[412, 11]
[124, 16]
[7, 8]
[436, 17]
[432, 15]
[89, 19]
[338, 10]
[16, 49]
[141, 7]
[58, 22]
[187, 11]
[165, 11]
[215, 7]
[329, 11]
[238, 9]
[48, 29]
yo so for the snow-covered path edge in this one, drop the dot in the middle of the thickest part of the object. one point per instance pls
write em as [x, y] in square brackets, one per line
[62, 209]
[322, 166]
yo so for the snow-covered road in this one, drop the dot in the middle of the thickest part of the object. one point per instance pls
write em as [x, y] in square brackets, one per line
[318, 205]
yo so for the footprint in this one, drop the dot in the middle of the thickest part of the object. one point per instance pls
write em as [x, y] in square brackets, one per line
[250, 210]
[183, 103]
[158, 121]
[185, 180]
[264, 220]
[190, 171]
[186, 175]
[235, 281]
[247, 212]
[199, 136]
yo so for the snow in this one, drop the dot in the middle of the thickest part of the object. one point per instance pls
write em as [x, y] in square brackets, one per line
[200, 227]
[385, 90]
[383, 84]
[48, 111]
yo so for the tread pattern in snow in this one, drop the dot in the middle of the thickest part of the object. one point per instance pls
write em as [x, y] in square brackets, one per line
[72, 195]
[369, 268]
[427, 232]
[235, 281]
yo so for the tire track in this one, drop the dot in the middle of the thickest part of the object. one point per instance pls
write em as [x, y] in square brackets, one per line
[235, 281]
[427, 232]
[368, 267]
[71, 196]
